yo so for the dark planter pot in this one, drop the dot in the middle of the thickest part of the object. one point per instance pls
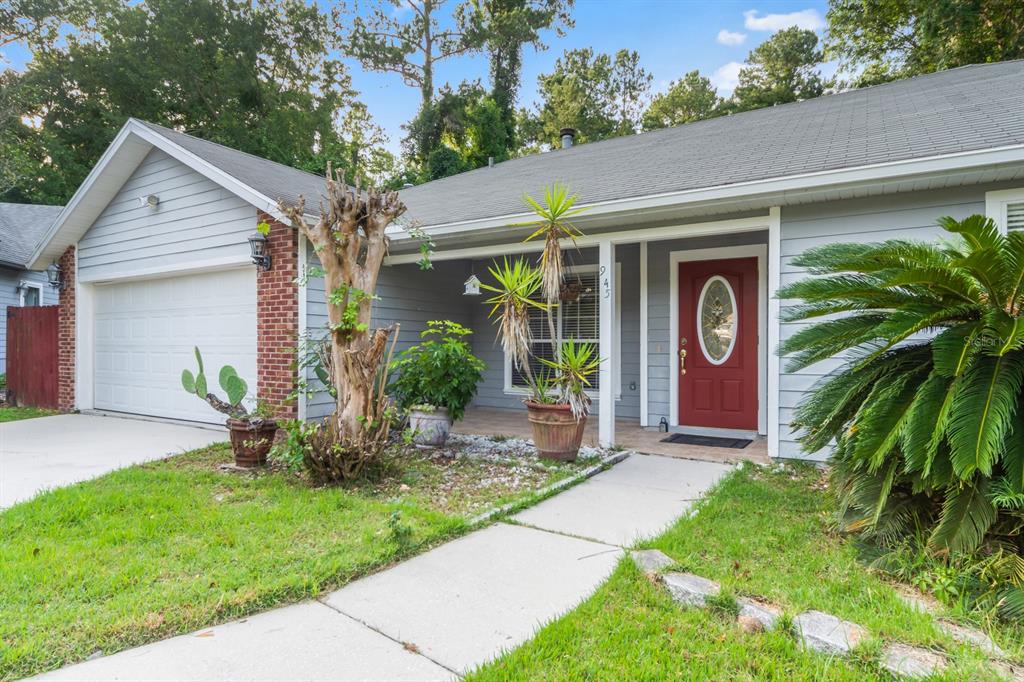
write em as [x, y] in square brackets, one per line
[251, 442]
[556, 432]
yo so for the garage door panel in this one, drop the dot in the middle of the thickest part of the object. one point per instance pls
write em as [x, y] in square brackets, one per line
[145, 332]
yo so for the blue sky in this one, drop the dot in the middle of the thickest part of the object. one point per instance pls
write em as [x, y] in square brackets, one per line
[672, 37]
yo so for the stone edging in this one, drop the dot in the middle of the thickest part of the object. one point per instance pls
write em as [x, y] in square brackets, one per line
[547, 491]
[819, 631]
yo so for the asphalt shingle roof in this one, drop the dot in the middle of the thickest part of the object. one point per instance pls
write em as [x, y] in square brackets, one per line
[965, 109]
[22, 227]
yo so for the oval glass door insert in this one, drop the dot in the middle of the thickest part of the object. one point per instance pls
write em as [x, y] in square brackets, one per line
[716, 320]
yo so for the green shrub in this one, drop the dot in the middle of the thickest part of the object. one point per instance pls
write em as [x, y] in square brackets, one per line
[440, 372]
[925, 415]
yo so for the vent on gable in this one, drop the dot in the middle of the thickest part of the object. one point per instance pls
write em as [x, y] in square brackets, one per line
[1015, 216]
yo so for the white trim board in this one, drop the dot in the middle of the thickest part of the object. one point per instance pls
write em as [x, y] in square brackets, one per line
[774, 329]
[760, 251]
[302, 399]
[644, 380]
[174, 270]
[680, 231]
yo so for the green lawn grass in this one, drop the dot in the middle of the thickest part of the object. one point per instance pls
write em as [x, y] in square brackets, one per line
[12, 414]
[760, 533]
[171, 546]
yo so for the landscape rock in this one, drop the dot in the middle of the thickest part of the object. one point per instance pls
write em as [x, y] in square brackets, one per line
[977, 638]
[751, 612]
[922, 603]
[827, 634]
[651, 560]
[690, 589]
[1008, 671]
[912, 662]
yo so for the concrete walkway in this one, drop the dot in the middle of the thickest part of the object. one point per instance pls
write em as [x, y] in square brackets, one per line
[441, 614]
[47, 452]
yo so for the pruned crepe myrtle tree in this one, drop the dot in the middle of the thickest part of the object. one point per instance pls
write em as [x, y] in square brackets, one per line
[350, 242]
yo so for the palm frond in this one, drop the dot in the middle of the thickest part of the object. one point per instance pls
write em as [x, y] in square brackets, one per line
[984, 407]
[966, 516]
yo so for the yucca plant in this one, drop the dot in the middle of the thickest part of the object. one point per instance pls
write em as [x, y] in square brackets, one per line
[514, 292]
[573, 366]
[552, 222]
[925, 416]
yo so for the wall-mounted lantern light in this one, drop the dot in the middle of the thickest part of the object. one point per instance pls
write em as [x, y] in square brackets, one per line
[258, 246]
[472, 286]
[55, 277]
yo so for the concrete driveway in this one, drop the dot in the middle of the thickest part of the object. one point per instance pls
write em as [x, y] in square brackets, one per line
[48, 452]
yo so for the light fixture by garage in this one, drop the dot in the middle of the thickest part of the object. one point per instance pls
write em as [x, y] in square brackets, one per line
[55, 277]
[258, 248]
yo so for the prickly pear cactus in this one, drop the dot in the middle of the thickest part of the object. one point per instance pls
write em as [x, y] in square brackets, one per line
[232, 384]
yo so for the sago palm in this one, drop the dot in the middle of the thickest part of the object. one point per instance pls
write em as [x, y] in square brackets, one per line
[925, 416]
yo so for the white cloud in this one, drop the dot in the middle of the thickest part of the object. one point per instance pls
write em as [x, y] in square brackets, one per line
[726, 77]
[809, 19]
[731, 38]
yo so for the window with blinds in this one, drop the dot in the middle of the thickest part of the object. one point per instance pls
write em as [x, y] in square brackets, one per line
[573, 320]
[1015, 216]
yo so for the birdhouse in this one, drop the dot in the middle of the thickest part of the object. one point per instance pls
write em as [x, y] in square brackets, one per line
[472, 286]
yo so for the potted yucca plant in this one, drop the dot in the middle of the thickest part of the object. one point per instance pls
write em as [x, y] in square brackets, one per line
[252, 433]
[558, 404]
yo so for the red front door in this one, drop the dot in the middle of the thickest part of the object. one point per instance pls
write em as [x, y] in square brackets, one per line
[717, 343]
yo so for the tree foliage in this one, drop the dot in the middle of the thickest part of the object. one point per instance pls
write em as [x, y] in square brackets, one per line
[598, 95]
[882, 40]
[691, 98]
[780, 70]
[927, 412]
[255, 77]
[508, 26]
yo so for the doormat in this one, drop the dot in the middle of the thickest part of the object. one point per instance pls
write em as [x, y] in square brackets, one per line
[708, 441]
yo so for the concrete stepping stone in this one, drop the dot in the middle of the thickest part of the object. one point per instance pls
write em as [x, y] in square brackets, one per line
[755, 616]
[827, 634]
[911, 662]
[651, 560]
[973, 637]
[690, 589]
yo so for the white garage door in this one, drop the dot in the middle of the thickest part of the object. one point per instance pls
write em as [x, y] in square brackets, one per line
[146, 329]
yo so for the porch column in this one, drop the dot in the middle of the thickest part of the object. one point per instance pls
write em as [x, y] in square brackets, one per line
[606, 394]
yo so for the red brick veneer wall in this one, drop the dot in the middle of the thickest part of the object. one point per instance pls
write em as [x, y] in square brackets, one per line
[66, 333]
[277, 319]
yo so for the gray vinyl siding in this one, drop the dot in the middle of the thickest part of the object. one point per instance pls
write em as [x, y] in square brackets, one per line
[411, 296]
[9, 297]
[659, 320]
[408, 296]
[906, 216]
[196, 221]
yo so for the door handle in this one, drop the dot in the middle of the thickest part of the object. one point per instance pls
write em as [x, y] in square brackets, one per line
[682, 361]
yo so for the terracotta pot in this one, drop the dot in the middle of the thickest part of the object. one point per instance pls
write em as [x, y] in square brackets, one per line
[556, 432]
[251, 442]
[430, 427]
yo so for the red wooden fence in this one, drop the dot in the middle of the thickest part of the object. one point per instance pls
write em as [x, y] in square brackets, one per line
[32, 355]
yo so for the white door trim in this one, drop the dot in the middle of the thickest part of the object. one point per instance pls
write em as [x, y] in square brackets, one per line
[760, 251]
